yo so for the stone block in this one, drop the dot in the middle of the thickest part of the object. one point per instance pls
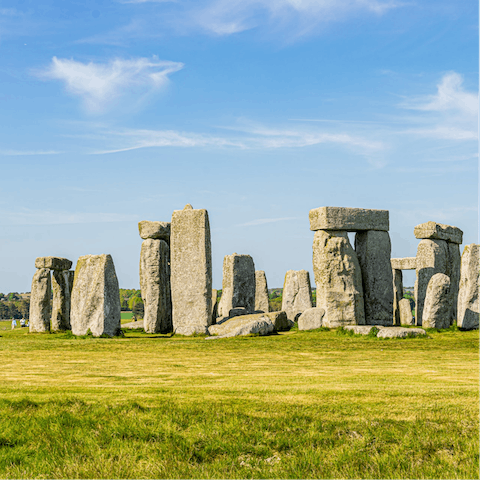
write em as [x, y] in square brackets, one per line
[61, 300]
[405, 263]
[405, 312]
[261, 292]
[399, 332]
[297, 293]
[53, 263]
[438, 231]
[397, 295]
[349, 219]
[40, 304]
[311, 319]
[155, 230]
[468, 310]
[438, 302]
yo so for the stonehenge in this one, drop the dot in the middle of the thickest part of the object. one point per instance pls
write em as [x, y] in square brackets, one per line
[468, 310]
[297, 293]
[399, 264]
[261, 292]
[40, 305]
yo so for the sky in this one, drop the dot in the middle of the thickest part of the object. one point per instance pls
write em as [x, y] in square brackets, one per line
[117, 111]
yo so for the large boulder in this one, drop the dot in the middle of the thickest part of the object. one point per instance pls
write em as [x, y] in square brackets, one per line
[40, 305]
[468, 303]
[297, 293]
[311, 319]
[95, 303]
[438, 231]
[155, 230]
[349, 219]
[61, 300]
[261, 292]
[53, 263]
[438, 302]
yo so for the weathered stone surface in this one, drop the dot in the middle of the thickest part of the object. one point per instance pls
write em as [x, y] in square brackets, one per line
[405, 263]
[280, 321]
[338, 278]
[261, 291]
[61, 300]
[191, 271]
[360, 329]
[432, 258]
[311, 319]
[405, 312]
[214, 306]
[438, 231]
[373, 251]
[40, 305]
[95, 303]
[155, 286]
[156, 230]
[237, 311]
[453, 271]
[397, 294]
[349, 219]
[133, 325]
[297, 293]
[238, 285]
[399, 332]
[438, 302]
[71, 278]
[468, 303]
[53, 263]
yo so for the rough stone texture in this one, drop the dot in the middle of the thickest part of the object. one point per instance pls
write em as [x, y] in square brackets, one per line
[350, 219]
[373, 251]
[406, 263]
[133, 325]
[432, 258]
[438, 231]
[40, 305]
[280, 321]
[405, 311]
[438, 302]
[155, 286]
[261, 291]
[397, 295]
[71, 278]
[61, 300]
[53, 263]
[297, 293]
[468, 304]
[95, 303]
[156, 230]
[399, 332]
[311, 319]
[360, 329]
[238, 285]
[237, 311]
[214, 306]
[338, 278]
[453, 271]
[191, 271]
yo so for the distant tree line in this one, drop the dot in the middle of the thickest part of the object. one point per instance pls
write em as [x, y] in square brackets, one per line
[14, 305]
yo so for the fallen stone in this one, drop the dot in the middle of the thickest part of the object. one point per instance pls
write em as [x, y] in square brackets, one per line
[297, 293]
[361, 329]
[399, 332]
[244, 325]
[237, 312]
[468, 303]
[311, 319]
[338, 278]
[397, 295]
[406, 263]
[261, 291]
[155, 230]
[53, 263]
[40, 305]
[438, 302]
[438, 231]
[279, 321]
[405, 311]
[95, 303]
[349, 219]
[61, 300]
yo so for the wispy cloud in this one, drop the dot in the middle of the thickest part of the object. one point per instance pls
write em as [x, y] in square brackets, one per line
[100, 84]
[15, 153]
[263, 221]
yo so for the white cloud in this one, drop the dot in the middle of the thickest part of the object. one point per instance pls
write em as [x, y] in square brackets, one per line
[15, 153]
[99, 85]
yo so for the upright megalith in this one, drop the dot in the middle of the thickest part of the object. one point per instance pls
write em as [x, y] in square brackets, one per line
[397, 294]
[61, 300]
[438, 302]
[297, 293]
[453, 271]
[261, 292]
[238, 284]
[405, 311]
[468, 310]
[373, 249]
[95, 303]
[338, 278]
[191, 271]
[40, 304]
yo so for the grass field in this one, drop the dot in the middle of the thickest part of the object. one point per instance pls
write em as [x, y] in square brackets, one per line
[295, 405]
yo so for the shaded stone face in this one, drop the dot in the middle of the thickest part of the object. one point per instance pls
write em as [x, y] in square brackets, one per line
[405, 311]
[53, 263]
[261, 292]
[61, 300]
[348, 219]
[311, 319]
[155, 230]
[297, 293]
[468, 303]
[338, 278]
[373, 249]
[214, 306]
[438, 302]
[191, 271]
[155, 286]
[406, 263]
[95, 303]
[397, 295]
[40, 305]
[453, 271]
[438, 231]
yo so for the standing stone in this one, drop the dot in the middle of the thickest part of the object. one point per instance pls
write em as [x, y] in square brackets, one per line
[453, 271]
[432, 258]
[155, 286]
[95, 303]
[261, 292]
[373, 250]
[297, 293]
[238, 286]
[405, 312]
[61, 300]
[338, 278]
[311, 319]
[438, 302]
[468, 304]
[191, 271]
[71, 278]
[214, 306]
[40, 305]
[397, 295]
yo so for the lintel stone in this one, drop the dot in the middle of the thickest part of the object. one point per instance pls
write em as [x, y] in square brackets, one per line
[53, 263]
[438, 231]
[155, 230]
[349, 219]
[406, 263]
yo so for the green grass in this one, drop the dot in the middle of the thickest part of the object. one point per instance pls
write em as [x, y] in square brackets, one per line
[295, 405]
[126, 315]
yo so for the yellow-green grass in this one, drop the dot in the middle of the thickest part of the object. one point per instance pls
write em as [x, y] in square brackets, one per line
[126, 317]
[296, 405]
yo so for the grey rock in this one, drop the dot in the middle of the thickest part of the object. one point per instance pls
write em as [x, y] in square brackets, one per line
[338, 278]
[155, 286]
[360, 329]
[53, 263]
[237, 312]
[397, 295]
[468, 304]
[349, 219]
[297, 293]
[453, 271]
[311, 319]
[155, 230]
[40, 305]
[133, 325]
[438, 231]
[238, 285]
[191, 271]
[405, 263]
[399, 332]
[71, 278]
[280, 321]
[61, 300]
[261, 291]
[214, 306]
[438, 302]
[95, 303]
[373, 250]
[405, 311]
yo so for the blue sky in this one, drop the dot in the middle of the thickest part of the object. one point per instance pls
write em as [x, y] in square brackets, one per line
[114, 112]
